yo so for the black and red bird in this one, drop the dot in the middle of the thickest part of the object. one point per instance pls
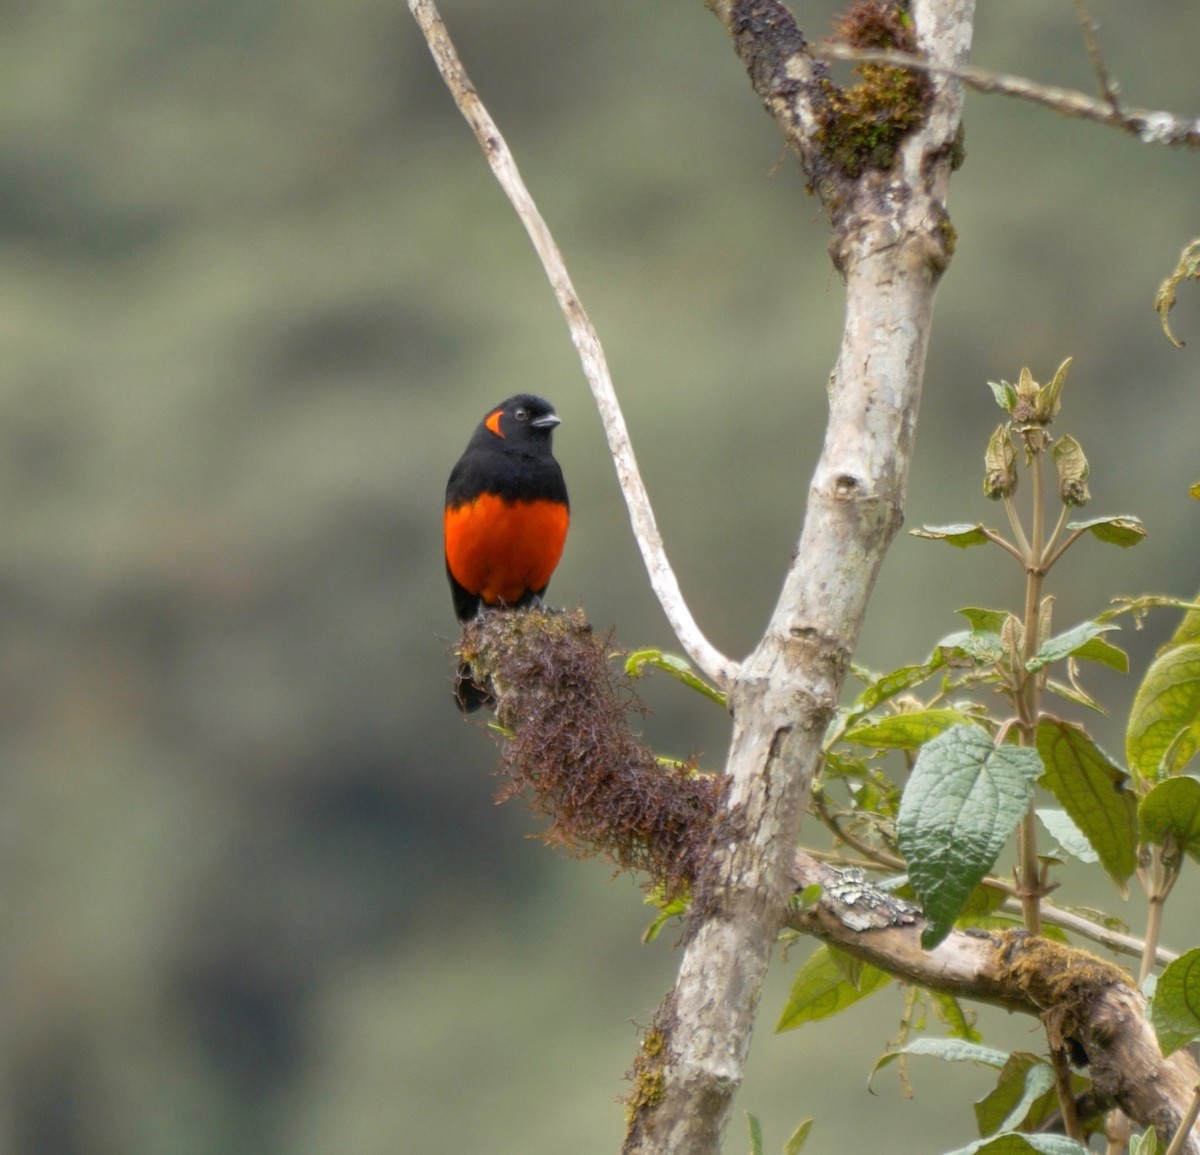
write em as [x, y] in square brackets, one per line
[506, 517]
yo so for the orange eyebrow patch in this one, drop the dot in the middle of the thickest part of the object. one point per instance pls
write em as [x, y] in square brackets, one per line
[492, 421]
[503, 551]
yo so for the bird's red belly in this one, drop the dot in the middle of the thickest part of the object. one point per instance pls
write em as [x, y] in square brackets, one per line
[501, 550]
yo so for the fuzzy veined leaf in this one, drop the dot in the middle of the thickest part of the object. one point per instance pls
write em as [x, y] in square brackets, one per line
[905, 731]
[960, 1023]
[962, 535]
[1014, 1143]
[963, 799]
[1122, 531]
[881, 687]
[1104, 653]
[822, 988]
[1000, 465]
[1164, 723]
[1064, 645]
[949, 1050]
[1068, 836]
[678, 667]
[1171, 813]
[1175, 1008]
[1050, 395]
[971, 648]
[1146, 1143]
[1188, 630]
[1072, 468]
[1005, 394]
[1024, 1079]
[1092, 789]
[987, 621]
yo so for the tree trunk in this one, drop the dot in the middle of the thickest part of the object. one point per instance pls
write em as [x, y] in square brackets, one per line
[892, 242]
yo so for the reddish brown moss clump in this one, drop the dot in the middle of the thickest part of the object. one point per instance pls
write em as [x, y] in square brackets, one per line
[861, 127]
[571, 752]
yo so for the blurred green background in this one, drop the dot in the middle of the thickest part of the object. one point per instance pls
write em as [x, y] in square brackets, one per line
[256, 287]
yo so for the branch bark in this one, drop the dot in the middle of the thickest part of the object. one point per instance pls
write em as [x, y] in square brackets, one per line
[891, 246]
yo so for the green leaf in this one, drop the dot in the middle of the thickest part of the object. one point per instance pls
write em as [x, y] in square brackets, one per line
[987, 621]
[1175, 1008]
[1024, 1079]
[886, 686]
[981, 902]
[1146, 1143]
[1062, 646]
[963, 799]
[1076, 695]
[1068, 836]
[1093, 790]
[821, 988]
[949, 1050]
[1188, 630]
[1050, 394]
[970, 648]
[675, 908]
[1164, 722]
[808, 897]
[1170, 813]
[1105, 653]
[1016, 1143]
[675, 665]
[1122, 531]
[904, 731]
[960, 1023]
[756, 1142]
[1072, 467]
[1005, 394]
[798, 1138]
[964, 536]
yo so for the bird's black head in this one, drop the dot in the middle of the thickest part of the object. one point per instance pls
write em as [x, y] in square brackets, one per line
[523, 420]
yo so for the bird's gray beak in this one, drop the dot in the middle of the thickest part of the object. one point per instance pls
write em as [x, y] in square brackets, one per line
[547, 422]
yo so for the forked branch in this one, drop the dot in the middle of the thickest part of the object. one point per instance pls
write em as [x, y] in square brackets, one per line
[1148, 125]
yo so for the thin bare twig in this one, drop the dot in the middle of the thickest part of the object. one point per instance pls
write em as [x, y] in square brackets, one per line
[591, 355]
[1147, 125]
[1179, 1142]
[1091, 41]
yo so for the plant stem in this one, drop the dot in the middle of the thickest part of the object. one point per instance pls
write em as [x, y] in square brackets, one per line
[1157, 879]
[1048, 553]
[1153, 929]
[1066, 1099]
[1029, 689]
[1186, 1124]
[1015, 522]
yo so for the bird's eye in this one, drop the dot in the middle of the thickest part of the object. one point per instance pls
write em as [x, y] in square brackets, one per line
[521, 413]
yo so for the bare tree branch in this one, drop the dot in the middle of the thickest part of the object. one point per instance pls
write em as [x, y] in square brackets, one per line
[591, 354]
[1091, 41]
[1147, 125]
[1080, 998]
